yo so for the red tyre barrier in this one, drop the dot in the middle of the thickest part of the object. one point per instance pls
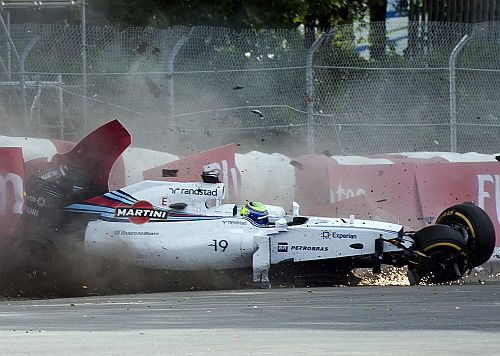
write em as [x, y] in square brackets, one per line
[408, 191]
[11, 190]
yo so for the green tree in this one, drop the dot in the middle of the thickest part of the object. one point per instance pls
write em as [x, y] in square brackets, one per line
[229, 13]
[236, 14]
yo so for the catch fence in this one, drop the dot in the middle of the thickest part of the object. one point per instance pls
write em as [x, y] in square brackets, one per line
[181, 89]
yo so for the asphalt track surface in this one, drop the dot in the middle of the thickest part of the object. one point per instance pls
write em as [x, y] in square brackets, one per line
[341, 320]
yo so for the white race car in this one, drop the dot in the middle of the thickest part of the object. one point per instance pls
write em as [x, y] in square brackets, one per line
[186, 226]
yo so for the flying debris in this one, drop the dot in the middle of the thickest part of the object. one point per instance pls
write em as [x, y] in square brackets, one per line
[185, 227]
[258, 112]
[141, 48]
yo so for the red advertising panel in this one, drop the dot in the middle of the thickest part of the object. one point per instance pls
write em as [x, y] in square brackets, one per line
[312, 189]
[11, 189]
[445, 184]
[189, 169]
[385, 192]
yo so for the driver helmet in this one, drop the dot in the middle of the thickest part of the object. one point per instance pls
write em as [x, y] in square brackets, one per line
[256, 211]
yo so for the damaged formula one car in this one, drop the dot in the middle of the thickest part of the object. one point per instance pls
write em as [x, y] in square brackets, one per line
[177, 226]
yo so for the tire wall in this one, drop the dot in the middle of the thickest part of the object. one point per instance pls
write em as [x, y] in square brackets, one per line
[407, 188]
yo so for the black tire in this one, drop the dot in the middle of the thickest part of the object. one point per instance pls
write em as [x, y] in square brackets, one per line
[479, 228]
[445, 257]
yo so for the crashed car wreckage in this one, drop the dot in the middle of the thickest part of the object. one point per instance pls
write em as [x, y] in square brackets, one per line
[185, 226]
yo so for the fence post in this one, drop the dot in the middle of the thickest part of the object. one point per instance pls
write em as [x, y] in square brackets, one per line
[310, 91]
[9, 56]
[169, 68]
[60, 102]
[453, 92]
[22, 81]
[22, 84]
[9, 39]
[84, 65]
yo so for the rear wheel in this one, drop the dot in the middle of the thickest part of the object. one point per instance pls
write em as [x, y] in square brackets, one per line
[476, 225]
[444, 255]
